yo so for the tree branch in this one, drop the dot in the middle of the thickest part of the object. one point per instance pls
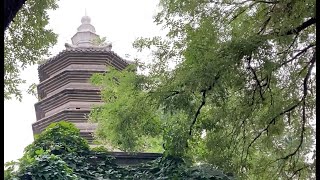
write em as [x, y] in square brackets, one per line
[297, 171]
[305, 93]
[273, 120]
[244, 10]
[263, 29]
[303, 26]
[294, 40]
[255, 77]
[243, 2]
[173, 93]
[264, 25]
[198, 111]
[297, 55]
[268, 2]
[203, 102]
[298, 29]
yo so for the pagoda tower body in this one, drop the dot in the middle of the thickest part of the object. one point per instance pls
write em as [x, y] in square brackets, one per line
[65, 92]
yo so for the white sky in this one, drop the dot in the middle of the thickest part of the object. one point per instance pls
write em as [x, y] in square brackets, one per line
[121, 21]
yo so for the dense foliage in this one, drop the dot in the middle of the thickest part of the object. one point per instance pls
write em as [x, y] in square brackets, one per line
[59, 153]
[232, 84]
[26, 41]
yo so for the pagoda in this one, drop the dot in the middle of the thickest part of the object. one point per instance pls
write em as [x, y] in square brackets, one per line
[65, 92]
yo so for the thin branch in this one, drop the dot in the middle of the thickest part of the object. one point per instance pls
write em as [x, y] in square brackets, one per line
[244, 10]
[279, 170]
[244, 138]
[233, 3]
[233, 141]
[298, 54]
[203, 102]
[304, 67]
[305, 82]
[268, 87]
[273, 120]
[243, 2]
[297, 171]
[303, 26]
[255, 77]
[298, 29]
[305, 93]
[173, 94]
[253, 96]
[264, 25]
[290, 46]
[267, 2]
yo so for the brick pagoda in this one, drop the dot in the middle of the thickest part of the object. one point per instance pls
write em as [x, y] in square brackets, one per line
[64, 91]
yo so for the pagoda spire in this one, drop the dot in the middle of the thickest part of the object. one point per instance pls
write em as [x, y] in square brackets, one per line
[86, 36]
[86, 33]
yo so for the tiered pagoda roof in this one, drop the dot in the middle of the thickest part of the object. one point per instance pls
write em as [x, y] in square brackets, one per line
[65, 92]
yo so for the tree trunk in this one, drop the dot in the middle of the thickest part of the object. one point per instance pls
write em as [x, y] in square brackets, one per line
[11, 7]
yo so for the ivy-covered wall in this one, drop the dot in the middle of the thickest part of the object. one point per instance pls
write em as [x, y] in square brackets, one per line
[59, 153]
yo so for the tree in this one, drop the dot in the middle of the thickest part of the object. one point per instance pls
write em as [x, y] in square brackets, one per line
[241, 95]
[27, 40]
[100, 41]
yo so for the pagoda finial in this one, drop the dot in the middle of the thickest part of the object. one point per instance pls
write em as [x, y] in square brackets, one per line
[86, 36]
[86, 33]
[85, 11]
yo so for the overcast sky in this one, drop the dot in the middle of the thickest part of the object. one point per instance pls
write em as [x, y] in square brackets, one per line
[121, 21]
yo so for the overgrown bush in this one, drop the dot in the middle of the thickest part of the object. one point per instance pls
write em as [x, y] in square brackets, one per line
[60, 153]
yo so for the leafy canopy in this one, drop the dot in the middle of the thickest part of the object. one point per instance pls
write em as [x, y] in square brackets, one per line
[241, 95]
[26, 41]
